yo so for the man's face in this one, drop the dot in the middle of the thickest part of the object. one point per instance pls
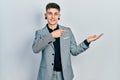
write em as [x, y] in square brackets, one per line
[52, 15]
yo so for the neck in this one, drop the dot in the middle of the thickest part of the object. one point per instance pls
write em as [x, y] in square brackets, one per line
[52, 26]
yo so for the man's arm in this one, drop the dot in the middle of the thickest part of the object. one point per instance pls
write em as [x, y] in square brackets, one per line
[41, 42]
[77, 49]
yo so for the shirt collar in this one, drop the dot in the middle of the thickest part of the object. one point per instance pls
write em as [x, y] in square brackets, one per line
[50, 30]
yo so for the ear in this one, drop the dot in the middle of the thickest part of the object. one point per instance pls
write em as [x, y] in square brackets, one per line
[59, 16]
[45, 15]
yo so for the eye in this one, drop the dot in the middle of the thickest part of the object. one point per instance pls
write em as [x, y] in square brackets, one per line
[49, 13]
[56, 13]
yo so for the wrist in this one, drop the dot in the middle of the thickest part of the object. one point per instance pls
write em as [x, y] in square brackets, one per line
[52, 35]
[88, 40]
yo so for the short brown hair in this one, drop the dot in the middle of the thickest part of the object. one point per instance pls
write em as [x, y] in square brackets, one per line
[52, 5]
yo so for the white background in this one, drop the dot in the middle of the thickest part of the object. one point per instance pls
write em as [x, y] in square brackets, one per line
[19, 19]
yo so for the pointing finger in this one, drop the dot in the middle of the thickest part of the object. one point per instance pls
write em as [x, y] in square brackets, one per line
[63, 31]
[100, 35]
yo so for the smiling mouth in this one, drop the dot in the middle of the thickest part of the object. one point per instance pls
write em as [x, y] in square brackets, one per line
[52, 20]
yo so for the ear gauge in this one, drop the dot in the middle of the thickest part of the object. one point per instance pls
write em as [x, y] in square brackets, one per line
[46, 18]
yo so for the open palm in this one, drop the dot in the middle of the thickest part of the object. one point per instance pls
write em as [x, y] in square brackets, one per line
[94, 37]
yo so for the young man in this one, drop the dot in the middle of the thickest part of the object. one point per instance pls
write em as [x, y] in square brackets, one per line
[57, 43]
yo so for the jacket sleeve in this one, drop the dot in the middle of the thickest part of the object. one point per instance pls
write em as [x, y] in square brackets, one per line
[41, 42]
[77, 49]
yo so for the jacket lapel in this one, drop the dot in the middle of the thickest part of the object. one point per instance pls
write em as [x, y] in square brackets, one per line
[62, 47]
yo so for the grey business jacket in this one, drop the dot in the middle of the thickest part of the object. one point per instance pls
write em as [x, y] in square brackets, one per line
[44, 42]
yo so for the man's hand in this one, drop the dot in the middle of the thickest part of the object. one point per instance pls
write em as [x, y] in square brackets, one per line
[58, 33]
[93, 38]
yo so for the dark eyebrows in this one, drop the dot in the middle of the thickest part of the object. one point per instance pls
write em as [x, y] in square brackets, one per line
[53, 13]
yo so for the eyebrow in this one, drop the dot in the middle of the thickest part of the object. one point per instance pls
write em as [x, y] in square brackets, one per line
[52, 12]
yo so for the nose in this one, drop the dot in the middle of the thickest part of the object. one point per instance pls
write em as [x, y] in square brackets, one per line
[53, 16]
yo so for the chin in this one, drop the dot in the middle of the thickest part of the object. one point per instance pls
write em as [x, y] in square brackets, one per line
[53, 23]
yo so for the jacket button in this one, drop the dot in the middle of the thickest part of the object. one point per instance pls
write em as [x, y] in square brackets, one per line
[53, 54]
[52, 64]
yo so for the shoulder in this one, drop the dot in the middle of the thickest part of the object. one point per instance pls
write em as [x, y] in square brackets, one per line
[39, 31]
